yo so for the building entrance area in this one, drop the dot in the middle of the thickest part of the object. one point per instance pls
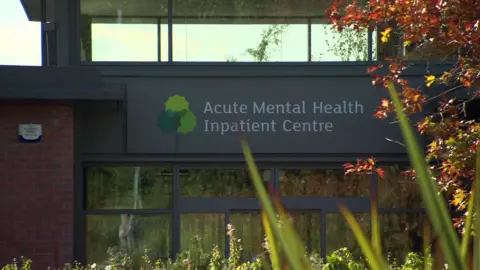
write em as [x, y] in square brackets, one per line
[172, 208]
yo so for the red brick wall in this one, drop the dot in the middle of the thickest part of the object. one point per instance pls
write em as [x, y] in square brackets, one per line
[36, 185]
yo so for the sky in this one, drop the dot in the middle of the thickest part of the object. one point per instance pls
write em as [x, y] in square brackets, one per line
[21, 42]
[118, 41]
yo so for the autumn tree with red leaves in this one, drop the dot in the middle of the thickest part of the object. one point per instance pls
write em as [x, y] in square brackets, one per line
[427, 30]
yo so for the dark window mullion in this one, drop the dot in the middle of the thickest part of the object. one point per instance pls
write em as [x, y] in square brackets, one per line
[159, 39]
[176, 211]
[323, 234]
[170, 31]
[128, 211]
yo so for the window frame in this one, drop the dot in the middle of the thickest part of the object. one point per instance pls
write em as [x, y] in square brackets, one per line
[227, 205]
[309, 21]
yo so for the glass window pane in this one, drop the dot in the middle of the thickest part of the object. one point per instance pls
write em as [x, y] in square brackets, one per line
[203, 231]
[330, 45]
[128, 234]
[397, 190]
[394, 47]
[243, 30]
[118, 30]
[129, 187]
[339, 234]
[322, 183]
[207, 183]
[249, 229]
[308, 225]
[402, 233]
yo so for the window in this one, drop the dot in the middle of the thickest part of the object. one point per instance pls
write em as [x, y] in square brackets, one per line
[330, 45]
[129, 187]
[207, 183]
[115, 196]
[131, 208]
[202, 231]
[322, 183]
[215, 31]
[308, 226]
[249, 229]
[127, 234]
[396, 190]
[118, 30]
[340, 235]
[402, 233]
[240, 30]
[395, 47]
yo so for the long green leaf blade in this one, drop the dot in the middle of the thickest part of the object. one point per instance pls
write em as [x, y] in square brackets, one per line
[426, 246]
[436, 207]
[468, 223]
[291, 235]
[476, 247]
[376, 262]
[377, 244]
[289, 248]
[274, 254]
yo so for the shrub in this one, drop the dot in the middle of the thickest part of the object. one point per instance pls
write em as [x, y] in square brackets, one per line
[199, 259]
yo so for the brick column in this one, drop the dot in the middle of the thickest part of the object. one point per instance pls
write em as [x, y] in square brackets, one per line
[36, 185]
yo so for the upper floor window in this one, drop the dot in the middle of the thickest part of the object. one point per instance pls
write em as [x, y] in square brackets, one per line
[395, 47]
[123, 30]
[21, 43]
[215, 31]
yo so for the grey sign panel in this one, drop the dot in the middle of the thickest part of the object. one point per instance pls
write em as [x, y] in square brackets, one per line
[290, 115]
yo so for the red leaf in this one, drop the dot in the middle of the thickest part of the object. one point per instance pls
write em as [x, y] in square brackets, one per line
[380, 172]
[374, 68]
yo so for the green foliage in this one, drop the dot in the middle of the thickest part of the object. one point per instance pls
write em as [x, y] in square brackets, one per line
[341, 259]
[270, 36]
[349, 44]
[235, 249]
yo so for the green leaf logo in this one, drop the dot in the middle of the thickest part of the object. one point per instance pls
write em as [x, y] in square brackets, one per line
[177, 117]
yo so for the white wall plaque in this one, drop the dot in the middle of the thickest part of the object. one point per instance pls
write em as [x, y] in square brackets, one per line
[30, 132]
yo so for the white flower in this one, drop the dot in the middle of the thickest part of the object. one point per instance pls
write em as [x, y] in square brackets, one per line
[108, 267]
[93, 266]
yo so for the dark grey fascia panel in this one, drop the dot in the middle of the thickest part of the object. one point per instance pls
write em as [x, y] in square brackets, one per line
[240, 69]
[56, 83]
[33, 9]
[350, 130]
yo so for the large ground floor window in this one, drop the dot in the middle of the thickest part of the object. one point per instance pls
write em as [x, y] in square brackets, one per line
[168, 209]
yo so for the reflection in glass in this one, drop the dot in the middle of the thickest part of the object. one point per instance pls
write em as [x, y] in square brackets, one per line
[330, 45]
[130, 234]
[119, 30]
[397, 190]
[243, 31]
[202, 231]
[308, 225]
[207, 183]
[402, 233]
[239, 42]
[322, 183]
[395, 47]
[340, 235]
[249, 229]
[128, 187]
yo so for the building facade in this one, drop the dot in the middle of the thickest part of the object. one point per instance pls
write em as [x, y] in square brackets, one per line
[142, 106]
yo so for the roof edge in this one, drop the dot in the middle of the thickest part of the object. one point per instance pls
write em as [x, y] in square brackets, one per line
[27, 11]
